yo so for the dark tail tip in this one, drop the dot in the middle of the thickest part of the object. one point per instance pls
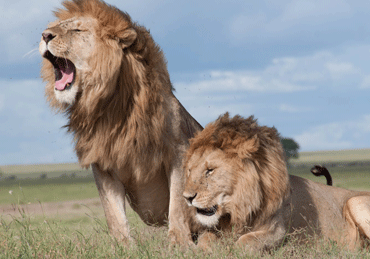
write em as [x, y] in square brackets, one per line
[319, 170]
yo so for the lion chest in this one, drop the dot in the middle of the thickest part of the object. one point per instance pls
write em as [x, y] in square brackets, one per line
[149, 199]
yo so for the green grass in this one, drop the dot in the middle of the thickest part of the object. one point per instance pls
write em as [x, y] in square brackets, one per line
[47, 190]
[87, 236]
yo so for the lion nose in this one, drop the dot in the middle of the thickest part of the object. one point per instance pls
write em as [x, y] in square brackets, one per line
[47, 36]
[189, 197]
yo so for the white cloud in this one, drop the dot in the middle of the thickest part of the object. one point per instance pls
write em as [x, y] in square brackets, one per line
[293, 109]
[340, 69]
[365, 82]
[289, 19]
[226, 81]
[207, 112]
[272, 79]
[336, 135]
[324, 69]
[298, 10]
[2, 102]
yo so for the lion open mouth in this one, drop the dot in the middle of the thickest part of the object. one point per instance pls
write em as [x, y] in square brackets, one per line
[208, 211]
[64, 71]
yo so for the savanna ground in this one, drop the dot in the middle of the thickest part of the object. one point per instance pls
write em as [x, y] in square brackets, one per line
[53, 211]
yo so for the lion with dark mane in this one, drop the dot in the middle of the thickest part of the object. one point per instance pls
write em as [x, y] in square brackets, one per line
[237, 180]
[110, 78]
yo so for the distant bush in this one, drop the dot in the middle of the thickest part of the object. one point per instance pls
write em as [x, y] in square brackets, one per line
[291, 148]
[64, 175]
[43, 176]
[11, 178]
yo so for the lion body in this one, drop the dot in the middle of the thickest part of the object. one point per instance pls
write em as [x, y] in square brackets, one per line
[110, 78]
[322, 210]
[236, 180]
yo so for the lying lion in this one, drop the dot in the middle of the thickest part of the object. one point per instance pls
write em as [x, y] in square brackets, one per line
[236, 179]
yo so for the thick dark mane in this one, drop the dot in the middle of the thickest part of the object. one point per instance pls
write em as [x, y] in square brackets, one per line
[226, 133]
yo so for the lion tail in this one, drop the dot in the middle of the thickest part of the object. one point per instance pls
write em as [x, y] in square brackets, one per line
[319, 170]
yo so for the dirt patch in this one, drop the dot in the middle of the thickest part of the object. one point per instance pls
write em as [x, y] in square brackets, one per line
[52, 208]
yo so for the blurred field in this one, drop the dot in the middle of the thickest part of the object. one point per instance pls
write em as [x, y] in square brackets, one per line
[46, 168]
[343, 156]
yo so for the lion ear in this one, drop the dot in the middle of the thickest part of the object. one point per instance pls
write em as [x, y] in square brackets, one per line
[246, 148]
[126, 37]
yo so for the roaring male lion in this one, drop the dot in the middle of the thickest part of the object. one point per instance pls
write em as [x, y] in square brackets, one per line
[110, 78]
[237, 180]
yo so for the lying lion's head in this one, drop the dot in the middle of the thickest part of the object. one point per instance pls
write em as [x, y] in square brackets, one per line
[83, 49]
[235, 167]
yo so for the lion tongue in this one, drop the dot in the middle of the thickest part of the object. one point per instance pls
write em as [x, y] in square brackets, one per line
[67, 76]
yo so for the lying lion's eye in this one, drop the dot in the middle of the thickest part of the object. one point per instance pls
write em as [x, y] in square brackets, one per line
[77, 30]
[209, 171]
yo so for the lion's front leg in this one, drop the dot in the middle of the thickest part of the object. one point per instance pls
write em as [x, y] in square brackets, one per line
[112, 195]
[179, 229]
[205, 241]
[266, 237]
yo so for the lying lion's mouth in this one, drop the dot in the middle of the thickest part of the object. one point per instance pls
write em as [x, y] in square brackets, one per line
[64, 70]
[208, 211]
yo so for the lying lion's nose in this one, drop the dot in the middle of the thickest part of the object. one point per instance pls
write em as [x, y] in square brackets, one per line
[47, 36]
[189, 197]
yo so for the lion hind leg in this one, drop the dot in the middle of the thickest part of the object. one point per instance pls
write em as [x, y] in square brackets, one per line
[357, 214]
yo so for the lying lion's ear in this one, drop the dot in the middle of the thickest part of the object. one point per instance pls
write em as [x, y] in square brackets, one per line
[126, 37]
[246, 148]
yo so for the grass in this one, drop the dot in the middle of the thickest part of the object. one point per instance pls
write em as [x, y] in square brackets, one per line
[87, 236]
[47, 190]
[80, 231]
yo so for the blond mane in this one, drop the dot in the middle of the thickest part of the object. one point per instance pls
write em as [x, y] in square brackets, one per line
[110, 79]
[120, 115]
[258, 150]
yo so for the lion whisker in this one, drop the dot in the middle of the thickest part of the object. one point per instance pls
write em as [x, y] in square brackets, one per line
[30, 53]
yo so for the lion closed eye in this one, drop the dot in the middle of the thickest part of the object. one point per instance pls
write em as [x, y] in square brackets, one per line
[236, 179]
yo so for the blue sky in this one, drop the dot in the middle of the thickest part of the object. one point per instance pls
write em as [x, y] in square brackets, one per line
[301, 66]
